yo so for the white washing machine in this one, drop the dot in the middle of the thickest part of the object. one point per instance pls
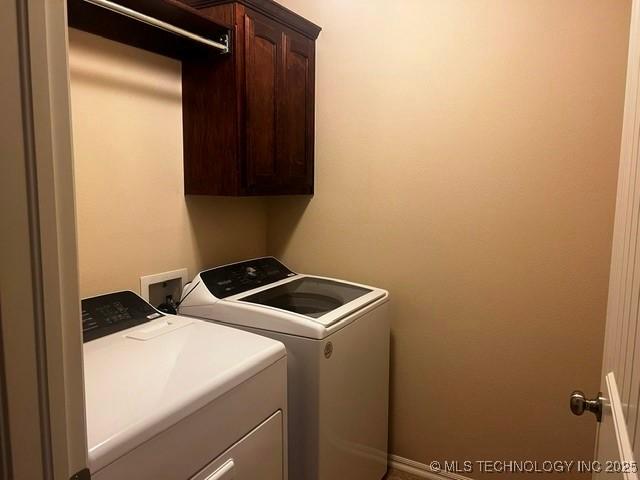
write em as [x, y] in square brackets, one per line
[169, 397]
[337, 339]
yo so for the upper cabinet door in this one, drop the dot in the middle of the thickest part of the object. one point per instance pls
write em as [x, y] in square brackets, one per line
[249, 115]
[297, 115]
[263, 60]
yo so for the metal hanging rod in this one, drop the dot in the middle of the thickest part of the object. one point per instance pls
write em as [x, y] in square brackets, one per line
[154, 22]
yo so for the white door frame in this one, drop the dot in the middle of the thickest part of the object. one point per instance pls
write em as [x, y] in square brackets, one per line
[620, 380]
[40, 316]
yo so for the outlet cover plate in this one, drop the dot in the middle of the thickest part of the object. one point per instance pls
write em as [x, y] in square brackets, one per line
[146, 281]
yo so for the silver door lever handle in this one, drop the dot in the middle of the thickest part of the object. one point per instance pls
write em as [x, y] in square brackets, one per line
[579, 404]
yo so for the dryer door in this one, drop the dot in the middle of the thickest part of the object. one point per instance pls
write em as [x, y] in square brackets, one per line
[260, 454]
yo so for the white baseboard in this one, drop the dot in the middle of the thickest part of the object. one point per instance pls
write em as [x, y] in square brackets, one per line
[421, 470]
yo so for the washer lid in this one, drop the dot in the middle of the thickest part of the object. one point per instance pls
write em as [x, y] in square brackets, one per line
[322, 300]
[264, 294]
[140, 381]
[309, 296]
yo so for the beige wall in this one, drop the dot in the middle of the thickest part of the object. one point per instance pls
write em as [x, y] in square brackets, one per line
[133, 217]
[466, 160]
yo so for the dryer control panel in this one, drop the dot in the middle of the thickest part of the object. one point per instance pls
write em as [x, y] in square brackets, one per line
[114, 312]
[240, 277]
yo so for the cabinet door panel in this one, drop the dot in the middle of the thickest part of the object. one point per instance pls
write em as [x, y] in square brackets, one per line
[263, 56]
[297, 119]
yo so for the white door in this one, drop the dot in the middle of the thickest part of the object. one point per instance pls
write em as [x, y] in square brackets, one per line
[42, 421]
[618, 436]
[614, 453]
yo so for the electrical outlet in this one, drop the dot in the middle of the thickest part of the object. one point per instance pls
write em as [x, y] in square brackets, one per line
[156, 288]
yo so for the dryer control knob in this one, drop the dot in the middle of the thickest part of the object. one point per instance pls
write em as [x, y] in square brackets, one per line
[251, 272]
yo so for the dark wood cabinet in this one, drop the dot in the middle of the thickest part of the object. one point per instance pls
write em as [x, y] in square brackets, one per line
[249, 117]
[263, 60]
[298, 110]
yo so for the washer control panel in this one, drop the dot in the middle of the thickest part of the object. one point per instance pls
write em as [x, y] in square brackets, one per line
[240, 277]
[111, 313]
